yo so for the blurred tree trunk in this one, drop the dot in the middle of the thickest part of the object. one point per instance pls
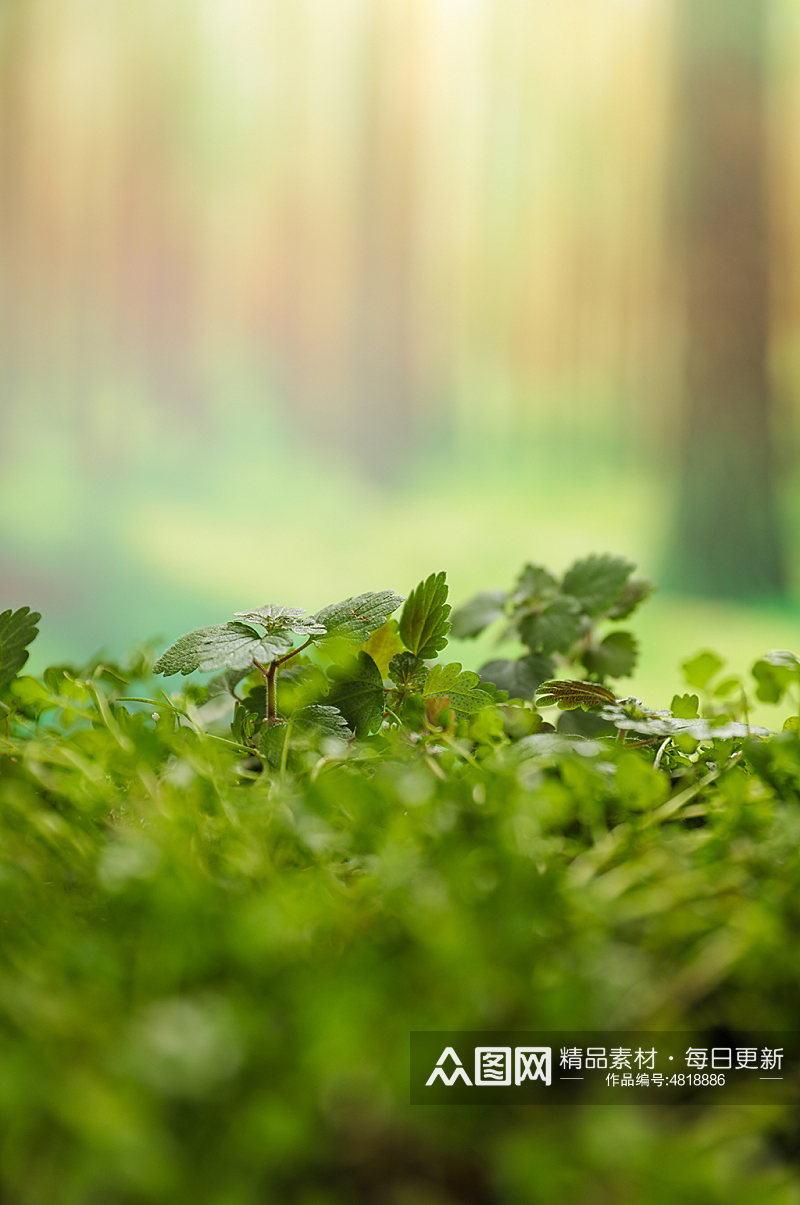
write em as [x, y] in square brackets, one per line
[14, 44]
[727, 537]
[384, 386]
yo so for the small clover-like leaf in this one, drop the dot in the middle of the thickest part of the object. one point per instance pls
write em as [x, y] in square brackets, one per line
[17, 630]
[775, 673]
[477, 614]
[685, 707]
[424, 623]
[356, 617]
[461, 687]
[567, 694]
[597, 582]
[357, 692]
[699, 670]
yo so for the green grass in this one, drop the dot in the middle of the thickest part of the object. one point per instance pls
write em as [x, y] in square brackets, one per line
[210, 967]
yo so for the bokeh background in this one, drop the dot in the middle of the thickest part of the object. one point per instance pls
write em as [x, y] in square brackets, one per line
[303, 298]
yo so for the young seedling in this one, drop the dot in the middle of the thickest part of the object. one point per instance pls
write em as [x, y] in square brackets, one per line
[377, 669]
[238, 647]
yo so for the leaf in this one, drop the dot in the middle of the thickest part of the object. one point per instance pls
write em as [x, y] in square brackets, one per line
[355, 618]
[534, 585]
[554, 628]
[230, 645]
[775, 673]
[383, 644]
[660, 723]
[568, 694]
[226, 682]
[685, 707]
[408, 671]
[699, 670]
[476, 615]
[633, 594]
[324, 719]
[357, 692]
[291, 619]
[17, 630]
[423, 622]
[461, 687]
[727, 687]
[270, 744]
[299, 686]
[597, 581]
[520, 678]
[613, 657]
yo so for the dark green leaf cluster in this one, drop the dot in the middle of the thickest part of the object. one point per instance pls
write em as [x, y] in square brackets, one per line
[342, 693]
[557, 621]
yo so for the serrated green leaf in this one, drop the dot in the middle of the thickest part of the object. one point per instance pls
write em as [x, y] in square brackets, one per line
[424, 622]
[553, 628]
[289, 619]
[633, 594]
[383, 645]
[699, 670]
[354, 618]
[324, 719]
[614, 657]
[534, 585]
[230, 645]
[17, 630]
[182, 657]
[520, 678]
[597, 581]
[568, 694]
[255, 701]
[461, 687]
[357, 692]
[476, 615]
[408, 671]
[226, 682]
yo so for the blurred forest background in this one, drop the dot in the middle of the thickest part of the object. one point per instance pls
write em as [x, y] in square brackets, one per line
[302, 298]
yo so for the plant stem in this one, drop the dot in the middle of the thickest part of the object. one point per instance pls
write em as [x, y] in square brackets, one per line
[272, 712]
[293, 652]
[269, 672]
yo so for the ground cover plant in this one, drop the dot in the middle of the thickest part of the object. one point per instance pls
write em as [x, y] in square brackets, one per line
[227, 899]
